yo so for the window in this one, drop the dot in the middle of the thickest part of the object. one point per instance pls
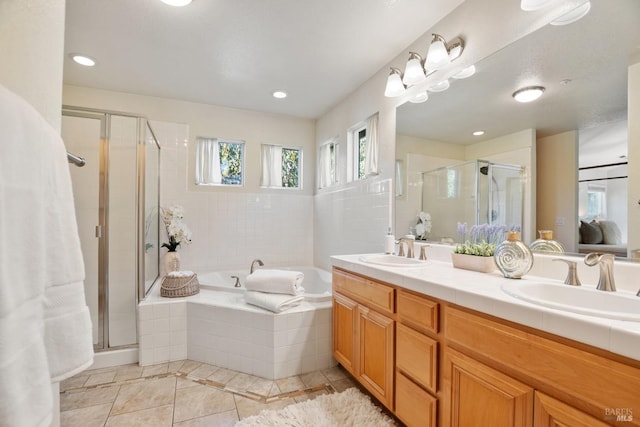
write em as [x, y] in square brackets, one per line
[281, 166]
[327, 155]
[363, 142]
[596, 201]
[219, 162]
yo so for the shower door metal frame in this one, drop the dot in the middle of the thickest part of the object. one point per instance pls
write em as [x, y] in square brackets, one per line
[102, 229]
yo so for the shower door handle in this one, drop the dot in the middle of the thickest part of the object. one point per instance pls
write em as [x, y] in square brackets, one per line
[98, 231]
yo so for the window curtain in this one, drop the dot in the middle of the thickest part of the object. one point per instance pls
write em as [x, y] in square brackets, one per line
[271, 166]
[371, 149]
[324, 166]
[208, 162]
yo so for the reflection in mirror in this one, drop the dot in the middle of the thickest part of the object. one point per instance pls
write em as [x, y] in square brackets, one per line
[478, 192]
[584, 68]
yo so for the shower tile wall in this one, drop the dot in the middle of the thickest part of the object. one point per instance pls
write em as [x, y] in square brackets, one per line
[232, 227]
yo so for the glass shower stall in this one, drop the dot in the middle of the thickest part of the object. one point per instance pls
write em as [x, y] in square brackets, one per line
[475, 192]
[116, 194]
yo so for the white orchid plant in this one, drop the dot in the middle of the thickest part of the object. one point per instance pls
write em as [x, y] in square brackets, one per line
[423, 227]
[177, 230]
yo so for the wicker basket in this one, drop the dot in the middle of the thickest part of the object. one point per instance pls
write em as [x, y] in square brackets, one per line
[174, 287]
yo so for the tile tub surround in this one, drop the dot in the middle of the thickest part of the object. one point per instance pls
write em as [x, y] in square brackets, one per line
[219, 328]
[482, 292]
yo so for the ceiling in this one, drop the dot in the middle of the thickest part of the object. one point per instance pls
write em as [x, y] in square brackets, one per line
[582, 65]
[235, 53]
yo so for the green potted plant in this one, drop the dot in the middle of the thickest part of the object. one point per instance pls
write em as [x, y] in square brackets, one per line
[476, 253]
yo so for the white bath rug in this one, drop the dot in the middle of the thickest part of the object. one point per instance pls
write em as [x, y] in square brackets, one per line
[349, 408]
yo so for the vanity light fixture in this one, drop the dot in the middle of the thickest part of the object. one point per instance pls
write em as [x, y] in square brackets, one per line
[573, 15]
[176, 3]
[465, 72]
[440, 87]
[528, 94]
[419, 97]
[394, 87]
[441, 53]
[85, 60]
[414, 70]
[279, 94]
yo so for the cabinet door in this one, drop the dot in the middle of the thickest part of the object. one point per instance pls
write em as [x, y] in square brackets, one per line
[344, 331]
[417, 356]
[375, 360]
[549, 412]
[481, 396]
[414, 406]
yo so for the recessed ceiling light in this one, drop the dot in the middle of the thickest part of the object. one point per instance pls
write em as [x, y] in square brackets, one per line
[177, 3]
[478, 133]
[280, 94]
[528, 94]
[85, 60]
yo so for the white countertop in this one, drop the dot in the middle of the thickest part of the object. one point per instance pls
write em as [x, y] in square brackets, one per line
[482, 292]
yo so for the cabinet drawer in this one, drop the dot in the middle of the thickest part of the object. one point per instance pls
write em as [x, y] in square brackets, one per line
[417, 356]
[373, 294]
[419, 312]
[414, 406]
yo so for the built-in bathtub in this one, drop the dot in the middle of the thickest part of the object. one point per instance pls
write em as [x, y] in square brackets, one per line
[316, 283]
[217, 327]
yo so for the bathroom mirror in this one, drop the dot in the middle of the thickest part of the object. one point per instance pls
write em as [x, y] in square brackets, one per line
[584, 68]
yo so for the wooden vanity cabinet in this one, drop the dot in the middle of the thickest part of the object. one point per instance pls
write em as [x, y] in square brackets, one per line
[433, 363]
[364, 332]
[416, 359]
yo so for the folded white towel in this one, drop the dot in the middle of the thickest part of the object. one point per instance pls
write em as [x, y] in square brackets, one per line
[272, 302]
[183, 273]
[275, 281]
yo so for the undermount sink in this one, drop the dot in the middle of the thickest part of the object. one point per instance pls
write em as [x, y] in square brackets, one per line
[392, 260]
[619, 305]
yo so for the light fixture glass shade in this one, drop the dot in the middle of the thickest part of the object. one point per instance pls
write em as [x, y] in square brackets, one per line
[528, 94]
[573, 15]
[531, 5]
[440, 87]
[413, 72]
[419, 97]
[280, 94]
[177, 3]
[437, 55]
[394, 87]
[466, 72]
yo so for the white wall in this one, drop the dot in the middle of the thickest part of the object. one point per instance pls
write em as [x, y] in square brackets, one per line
[230, 226]
[557, 174]
[633, 156]
[32, 46]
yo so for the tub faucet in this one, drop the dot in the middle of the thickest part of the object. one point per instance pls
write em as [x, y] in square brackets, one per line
[409, 243]
[253, 265]
[605, 261]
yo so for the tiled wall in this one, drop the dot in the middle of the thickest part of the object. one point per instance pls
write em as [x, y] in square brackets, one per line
[351, 220]
[162, 331]
[230, 227]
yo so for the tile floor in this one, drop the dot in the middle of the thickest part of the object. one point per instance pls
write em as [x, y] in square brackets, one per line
[183, 393]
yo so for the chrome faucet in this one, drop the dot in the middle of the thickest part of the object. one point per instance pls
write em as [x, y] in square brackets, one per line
[605, 261]
[572, 275]
[409, 243]
[253, 265]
